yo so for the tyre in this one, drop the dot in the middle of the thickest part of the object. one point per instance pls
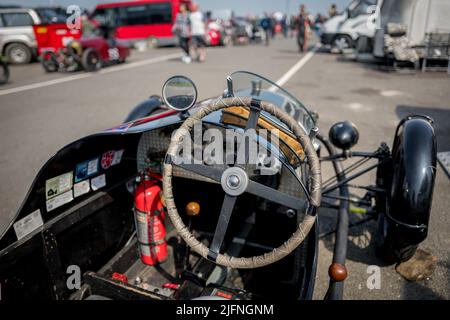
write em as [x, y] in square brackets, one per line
[18, 53]
[90, 60]
[343, 42]
[49, 62]
[4, 73]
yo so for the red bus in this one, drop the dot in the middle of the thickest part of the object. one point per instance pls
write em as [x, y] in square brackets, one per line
[136, 20]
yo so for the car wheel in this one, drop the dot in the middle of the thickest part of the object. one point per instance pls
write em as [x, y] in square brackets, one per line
[343, 42]
[4, 73]
[49, 62]
[91, 60]
[18, 53]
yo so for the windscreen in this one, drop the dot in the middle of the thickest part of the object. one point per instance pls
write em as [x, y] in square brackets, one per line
[247, 84]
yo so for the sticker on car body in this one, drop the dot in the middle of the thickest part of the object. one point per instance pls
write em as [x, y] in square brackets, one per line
[81, 188]
[86, 169]
[111, 158]
[107, 159]
[59, 200]
[28, 224]
[58, 185]
[117, 157]
[98, 182]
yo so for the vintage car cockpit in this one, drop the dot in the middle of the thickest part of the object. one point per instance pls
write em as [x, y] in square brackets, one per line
[79, 215]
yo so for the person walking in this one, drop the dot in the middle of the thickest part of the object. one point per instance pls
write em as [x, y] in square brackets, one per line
[302, 29]
[181, 29]
[198, 32]
[266, 25]
[284, 25]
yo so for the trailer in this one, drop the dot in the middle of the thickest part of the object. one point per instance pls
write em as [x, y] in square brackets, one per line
[412, 25]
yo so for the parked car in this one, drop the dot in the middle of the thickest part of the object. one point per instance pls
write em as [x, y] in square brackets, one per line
[344, 30]
[88, 53]
[52, 14]
[242, 31]
[17, 37]
[17, 40]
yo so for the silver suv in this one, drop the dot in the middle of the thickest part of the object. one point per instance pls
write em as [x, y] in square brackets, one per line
[17, 40]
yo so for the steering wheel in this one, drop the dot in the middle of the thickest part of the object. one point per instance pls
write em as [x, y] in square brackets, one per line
[235, 181]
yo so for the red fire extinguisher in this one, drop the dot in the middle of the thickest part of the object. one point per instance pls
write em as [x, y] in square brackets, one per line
[149, 219]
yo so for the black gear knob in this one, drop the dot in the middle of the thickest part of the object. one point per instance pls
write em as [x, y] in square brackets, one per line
[343, 135]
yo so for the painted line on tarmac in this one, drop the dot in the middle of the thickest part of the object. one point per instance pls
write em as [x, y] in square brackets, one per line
[88, 75]
[140, 63]
[43, 84]
[295, 68]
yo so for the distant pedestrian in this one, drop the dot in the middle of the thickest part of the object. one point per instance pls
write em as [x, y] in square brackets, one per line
[273, 26]
[332, 11]
[266, 25]
[284, 26]
[302, 29]
[198, 32]
[181, 29]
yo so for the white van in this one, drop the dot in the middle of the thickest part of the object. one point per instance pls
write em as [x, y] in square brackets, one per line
[344, 30]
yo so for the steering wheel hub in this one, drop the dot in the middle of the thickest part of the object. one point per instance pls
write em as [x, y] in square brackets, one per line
[234, 181]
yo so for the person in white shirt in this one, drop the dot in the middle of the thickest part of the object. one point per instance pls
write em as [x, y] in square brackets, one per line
[198, 32]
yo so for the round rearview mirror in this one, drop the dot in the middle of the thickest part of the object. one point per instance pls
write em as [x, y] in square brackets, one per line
[179, 93]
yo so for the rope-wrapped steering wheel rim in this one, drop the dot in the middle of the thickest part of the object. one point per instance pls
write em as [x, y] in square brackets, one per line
[304, 226]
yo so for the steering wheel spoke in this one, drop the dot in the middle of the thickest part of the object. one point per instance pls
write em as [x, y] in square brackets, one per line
[276, 196]
[222, 225]
[210, 172]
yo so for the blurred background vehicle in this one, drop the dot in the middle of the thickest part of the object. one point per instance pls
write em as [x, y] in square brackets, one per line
[413, 30]
[145, 20]
[242, 31]
[52, 36]
[52, 14]
[17, 35]
[214, 34]
[343, 30]
[17, 40]
[89, 53]
[223, 18]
